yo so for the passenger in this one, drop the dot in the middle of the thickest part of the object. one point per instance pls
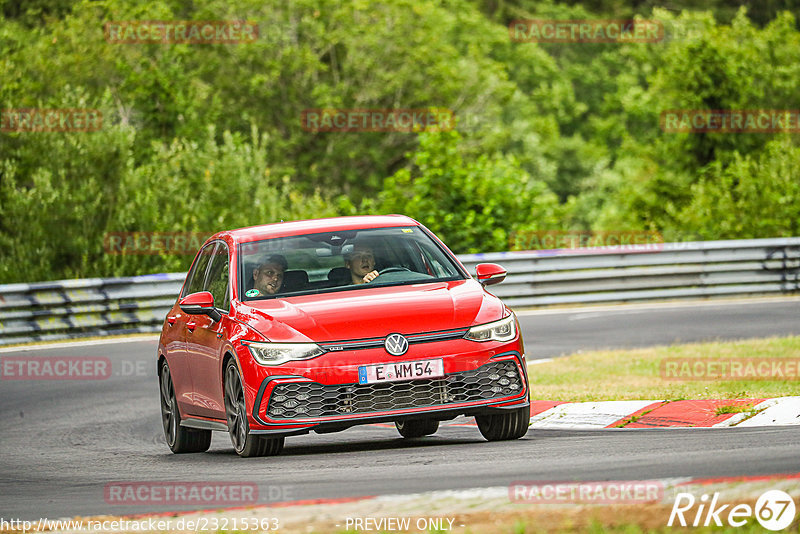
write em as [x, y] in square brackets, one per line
[268, 276]
[361, 263]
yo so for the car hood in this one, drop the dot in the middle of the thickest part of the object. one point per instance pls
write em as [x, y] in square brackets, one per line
[373, 312]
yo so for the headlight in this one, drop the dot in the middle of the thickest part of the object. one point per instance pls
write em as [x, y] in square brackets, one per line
[502, 330]
[278, 353]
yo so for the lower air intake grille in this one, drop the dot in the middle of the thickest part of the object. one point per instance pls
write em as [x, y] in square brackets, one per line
[310, 399]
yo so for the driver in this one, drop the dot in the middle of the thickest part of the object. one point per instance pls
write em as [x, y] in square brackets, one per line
[268, 276]
[361, 262]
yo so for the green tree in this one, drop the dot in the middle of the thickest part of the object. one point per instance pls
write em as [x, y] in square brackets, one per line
[473, 205]
[757, 195]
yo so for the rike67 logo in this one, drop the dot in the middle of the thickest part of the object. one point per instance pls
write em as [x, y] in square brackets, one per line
[774, 510]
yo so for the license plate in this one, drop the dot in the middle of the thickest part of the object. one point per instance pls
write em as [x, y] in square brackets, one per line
[392, 372]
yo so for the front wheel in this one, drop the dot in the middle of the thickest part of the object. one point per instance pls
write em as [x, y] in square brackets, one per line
[503, 426]
[180, 439]
[416, 428]
[245, 444]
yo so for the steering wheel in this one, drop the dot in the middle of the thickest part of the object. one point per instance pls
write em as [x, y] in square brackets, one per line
[392, 270]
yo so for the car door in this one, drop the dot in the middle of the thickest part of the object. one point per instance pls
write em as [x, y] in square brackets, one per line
[177, 323]
[205, 339]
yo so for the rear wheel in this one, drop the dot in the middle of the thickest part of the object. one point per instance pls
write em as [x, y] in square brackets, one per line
[416, 428]
[180, 439]
[245, 444]
[502, 426]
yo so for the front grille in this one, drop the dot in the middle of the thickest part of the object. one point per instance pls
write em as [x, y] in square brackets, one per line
[377, 342]
[311, 399]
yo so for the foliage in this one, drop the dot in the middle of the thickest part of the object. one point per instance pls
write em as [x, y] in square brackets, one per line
[756, 195]
[55, 221]
[476, 204]
[719, 67]
[549, 136]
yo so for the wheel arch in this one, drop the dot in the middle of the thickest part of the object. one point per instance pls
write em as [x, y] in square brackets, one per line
[226, 357]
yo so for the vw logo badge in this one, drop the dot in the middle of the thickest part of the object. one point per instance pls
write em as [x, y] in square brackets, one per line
[396, 344]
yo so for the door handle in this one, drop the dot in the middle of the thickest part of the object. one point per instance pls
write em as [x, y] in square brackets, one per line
[190, 326]
[171, 320]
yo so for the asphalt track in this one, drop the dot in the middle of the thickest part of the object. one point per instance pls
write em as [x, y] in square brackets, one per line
[63, 441]
[555, 333]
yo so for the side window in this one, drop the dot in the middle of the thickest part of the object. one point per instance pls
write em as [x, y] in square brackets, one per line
[432, 263]
[198, 273]
[217, 282]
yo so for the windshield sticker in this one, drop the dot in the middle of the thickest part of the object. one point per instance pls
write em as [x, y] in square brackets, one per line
[407, 230]
[252, 293]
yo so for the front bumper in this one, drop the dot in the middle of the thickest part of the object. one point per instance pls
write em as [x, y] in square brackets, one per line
[287, 404]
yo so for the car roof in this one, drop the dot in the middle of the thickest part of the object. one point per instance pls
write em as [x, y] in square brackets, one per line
[331, 224]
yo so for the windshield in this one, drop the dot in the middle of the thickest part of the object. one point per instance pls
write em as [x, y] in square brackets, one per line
[341, 261]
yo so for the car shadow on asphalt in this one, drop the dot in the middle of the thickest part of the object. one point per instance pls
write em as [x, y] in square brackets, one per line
[362, 445]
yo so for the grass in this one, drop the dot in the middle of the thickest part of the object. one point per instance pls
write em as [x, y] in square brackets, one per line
[633, 418]
[637, 374]
[733, 409]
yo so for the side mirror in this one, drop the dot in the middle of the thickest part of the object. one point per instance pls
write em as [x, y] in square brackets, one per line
[201, 303]
[490, 273]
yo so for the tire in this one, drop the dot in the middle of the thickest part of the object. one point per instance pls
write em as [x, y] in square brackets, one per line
[179, 439]
[416, 428]
[504, 426]
[245, 444]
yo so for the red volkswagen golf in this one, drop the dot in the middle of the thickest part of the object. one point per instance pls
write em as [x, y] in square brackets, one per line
[325, 324]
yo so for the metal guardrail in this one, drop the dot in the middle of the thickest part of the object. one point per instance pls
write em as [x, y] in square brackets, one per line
[660, 271]
[65, 309]
[104, 306]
